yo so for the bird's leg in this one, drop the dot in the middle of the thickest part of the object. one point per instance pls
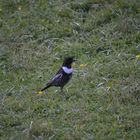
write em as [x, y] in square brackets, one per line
[63, 94]
[61, 88]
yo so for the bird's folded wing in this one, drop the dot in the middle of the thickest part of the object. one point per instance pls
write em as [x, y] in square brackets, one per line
[56, 78]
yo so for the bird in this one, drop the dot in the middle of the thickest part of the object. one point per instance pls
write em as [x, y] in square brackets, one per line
[63, 75]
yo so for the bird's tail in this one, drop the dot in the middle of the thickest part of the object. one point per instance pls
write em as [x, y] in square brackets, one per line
[47, 86]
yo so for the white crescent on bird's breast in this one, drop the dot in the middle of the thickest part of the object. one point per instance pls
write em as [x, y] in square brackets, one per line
[67, 70]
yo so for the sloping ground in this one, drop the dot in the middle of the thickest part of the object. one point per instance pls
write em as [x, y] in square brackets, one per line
[102, 101]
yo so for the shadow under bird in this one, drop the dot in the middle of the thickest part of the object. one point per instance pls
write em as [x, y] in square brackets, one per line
[63, 75]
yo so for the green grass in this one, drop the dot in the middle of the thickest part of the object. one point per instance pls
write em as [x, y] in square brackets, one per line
[102, 101]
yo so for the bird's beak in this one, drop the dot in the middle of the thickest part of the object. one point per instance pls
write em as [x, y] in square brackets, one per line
[74, 60]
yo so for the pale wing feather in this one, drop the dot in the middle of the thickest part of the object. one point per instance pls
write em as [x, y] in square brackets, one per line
[55, 80]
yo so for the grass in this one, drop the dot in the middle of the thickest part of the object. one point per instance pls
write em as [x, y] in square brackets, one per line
[102, 99]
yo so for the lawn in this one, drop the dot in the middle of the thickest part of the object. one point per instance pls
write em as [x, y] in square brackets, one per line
[102, 100]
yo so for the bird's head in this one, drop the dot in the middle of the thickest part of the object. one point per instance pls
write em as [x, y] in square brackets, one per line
[68, 61]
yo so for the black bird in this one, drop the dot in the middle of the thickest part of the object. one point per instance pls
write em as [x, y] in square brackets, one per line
[63, 76]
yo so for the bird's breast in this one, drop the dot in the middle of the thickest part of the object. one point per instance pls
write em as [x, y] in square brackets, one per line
[67, 70]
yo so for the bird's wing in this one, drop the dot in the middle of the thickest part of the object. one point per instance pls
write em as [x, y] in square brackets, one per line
[56, 78]
[59, 71]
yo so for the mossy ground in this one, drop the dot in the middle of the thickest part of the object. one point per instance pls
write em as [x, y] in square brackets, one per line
[104, 36]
